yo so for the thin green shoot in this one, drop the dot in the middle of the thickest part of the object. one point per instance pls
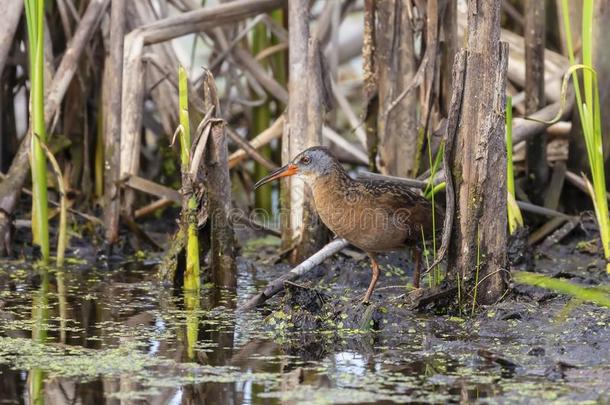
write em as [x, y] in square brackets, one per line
[62, 238]
[426, 255]
[436, 189]
[432, 190]
[34, 10]
[515, 219]
[476, 274]
[438, 159]
[587, 102]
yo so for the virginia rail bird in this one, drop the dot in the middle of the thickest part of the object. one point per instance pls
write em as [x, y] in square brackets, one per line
[373, 215]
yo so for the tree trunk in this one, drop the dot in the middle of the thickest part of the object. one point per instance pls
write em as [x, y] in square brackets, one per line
[394, 67]
[371, 98]
[112, 107]
[477, 254]
[537, 168]
[300, 223]
[219, 193]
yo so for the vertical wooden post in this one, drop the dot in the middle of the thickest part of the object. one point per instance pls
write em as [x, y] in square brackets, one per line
[389, 48]
[477, 254]
[222, 249]
[537, 168]
[303, 129]
[449, 46]
[601, 63]
[113, 82]
[132, 98]
[371, 99]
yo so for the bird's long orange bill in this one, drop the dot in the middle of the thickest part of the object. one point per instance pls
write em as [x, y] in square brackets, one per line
[284, 171]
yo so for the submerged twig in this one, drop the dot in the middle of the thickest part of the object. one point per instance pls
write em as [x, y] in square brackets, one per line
[277, 285]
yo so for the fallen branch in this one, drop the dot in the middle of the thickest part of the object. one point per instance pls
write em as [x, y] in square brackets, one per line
[152, 207]
[546, 229]
[349, 113]
[152, 188]
[524, 128]
[204, 18]
[536, 209]
[344, 144]
[579, 182]
[277, 285]
[262, 139]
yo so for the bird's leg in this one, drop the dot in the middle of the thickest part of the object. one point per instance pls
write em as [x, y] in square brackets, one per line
[416, 266]
[375, 268]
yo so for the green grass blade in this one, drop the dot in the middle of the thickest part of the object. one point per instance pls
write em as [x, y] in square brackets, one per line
[587, 102]
[590, 294]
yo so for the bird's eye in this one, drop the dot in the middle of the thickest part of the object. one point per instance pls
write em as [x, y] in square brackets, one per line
[305, 160]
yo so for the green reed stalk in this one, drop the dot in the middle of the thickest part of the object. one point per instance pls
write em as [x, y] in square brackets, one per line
[261, 119]
[278, 60]
[596, 295]
[34, 11]
[587, 102]
[191, 301]
[191, 275]
[515, 219]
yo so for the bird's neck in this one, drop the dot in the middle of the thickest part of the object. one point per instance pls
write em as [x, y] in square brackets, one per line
[336, 181]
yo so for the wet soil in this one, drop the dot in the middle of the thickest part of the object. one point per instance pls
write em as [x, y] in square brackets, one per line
[102, 332]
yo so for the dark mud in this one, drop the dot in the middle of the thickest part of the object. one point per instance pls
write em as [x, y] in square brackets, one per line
[104, 333]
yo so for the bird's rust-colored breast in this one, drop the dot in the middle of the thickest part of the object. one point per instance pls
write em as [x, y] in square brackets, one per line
[372, 215]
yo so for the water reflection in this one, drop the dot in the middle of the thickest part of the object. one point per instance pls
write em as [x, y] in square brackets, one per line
[93, 336]
[40, 319]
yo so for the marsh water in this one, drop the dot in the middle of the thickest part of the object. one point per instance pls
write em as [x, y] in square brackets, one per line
[98, 333]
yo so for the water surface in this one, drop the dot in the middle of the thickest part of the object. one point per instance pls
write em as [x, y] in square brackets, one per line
[95, 335]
